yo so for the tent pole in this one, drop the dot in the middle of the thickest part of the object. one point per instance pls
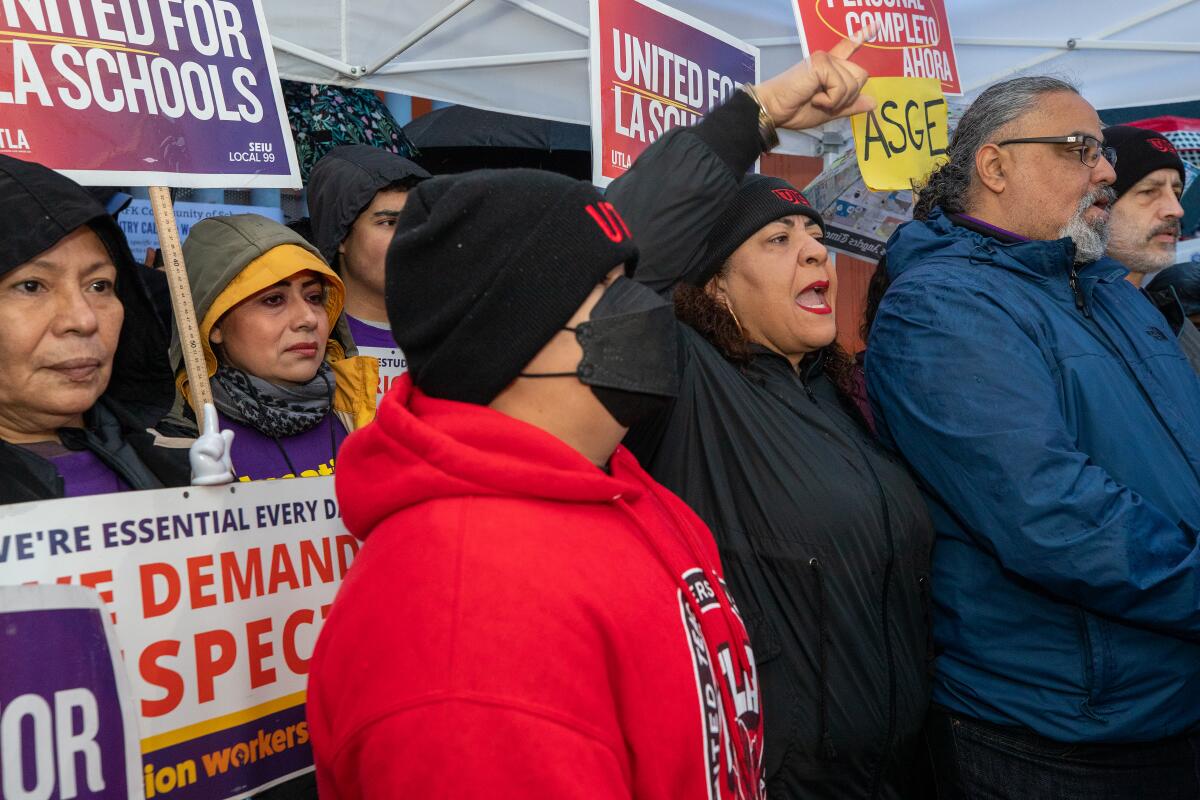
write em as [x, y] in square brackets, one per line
[1103, 34]
[420, 32]
[549, 16]
[1082, 44]
[312, 56]
[515, 60]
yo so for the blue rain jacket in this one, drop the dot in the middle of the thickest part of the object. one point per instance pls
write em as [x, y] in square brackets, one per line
[1056, 433]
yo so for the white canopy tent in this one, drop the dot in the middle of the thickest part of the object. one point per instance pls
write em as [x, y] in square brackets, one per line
[530, 56]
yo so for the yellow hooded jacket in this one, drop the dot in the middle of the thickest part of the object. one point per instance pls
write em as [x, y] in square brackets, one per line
[229, 259]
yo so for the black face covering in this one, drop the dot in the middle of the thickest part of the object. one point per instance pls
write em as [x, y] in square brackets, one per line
[630, 352]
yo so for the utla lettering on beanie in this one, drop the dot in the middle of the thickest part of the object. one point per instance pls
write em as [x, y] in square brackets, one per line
[760, 200]
[1140, 152]
[486, 266]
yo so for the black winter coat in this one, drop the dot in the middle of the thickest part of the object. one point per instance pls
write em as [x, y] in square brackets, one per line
[824, 537]
[130, 453]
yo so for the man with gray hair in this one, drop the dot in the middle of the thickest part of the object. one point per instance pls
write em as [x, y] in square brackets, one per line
[1146, 219]
[1054, 424]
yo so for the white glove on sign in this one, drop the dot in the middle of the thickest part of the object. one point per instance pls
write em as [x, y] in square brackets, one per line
[209, 454]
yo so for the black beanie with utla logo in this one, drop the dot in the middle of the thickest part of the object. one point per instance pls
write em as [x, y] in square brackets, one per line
[487, 266]
[1139, 152]
[759, 201]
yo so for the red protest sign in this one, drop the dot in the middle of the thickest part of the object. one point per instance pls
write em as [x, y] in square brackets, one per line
[912, 37]
[653, 68]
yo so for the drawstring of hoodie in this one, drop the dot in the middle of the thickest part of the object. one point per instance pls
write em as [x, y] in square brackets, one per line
[735, 631]
[826, 749]
[732, 619]
[736, 641]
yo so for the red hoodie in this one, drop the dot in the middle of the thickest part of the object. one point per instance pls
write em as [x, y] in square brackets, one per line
[519, 623]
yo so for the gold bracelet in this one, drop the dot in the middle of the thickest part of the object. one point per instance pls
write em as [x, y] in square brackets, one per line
[766, 125]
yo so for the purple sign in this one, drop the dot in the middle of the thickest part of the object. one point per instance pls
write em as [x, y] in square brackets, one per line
[235, 760]
[173, 93]
[66, 727]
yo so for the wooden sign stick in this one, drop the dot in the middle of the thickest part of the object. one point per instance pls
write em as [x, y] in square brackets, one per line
[181, 301]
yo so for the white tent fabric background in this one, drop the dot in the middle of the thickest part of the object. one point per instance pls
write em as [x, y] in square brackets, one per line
[530, 56]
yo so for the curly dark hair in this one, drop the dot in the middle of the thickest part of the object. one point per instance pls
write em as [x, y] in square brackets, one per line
[710, 318]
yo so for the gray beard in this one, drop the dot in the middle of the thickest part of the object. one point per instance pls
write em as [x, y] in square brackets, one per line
[1135, 252]
[1090, 238]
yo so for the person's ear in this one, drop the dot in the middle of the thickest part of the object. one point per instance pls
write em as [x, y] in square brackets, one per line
[991, 165]
[716, 288]
[215, 336]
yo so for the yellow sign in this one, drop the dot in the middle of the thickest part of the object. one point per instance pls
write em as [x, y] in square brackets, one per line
[905, 137]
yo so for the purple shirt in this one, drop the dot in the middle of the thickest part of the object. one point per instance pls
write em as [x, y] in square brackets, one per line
[258, 457]
[370, 334]
[83, 473]
[998, 231]
[376, 341]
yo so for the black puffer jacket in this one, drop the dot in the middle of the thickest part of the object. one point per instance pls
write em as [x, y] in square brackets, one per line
[41, 207]
[824, 537]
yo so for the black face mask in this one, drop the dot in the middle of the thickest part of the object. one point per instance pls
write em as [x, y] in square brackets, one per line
[630, 352]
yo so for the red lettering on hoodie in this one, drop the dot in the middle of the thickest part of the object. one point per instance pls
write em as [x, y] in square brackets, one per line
[610, 221]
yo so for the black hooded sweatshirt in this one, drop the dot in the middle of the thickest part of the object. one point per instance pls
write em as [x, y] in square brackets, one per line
[343, 184]
[41, 208]
[824, 537]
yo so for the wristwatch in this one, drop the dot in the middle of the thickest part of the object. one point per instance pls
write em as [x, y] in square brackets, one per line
[766, 125]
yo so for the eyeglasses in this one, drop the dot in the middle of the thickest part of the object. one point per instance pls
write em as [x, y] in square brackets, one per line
[1089, 154]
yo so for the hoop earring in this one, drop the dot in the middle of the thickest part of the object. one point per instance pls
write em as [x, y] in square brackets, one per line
[729, 308]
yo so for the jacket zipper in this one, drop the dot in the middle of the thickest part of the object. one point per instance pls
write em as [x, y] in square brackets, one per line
[1073, 279]
[889, 741]
[803, 378]
[1089, 668]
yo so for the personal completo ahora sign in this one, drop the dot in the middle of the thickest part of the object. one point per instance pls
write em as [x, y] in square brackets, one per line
[652, 69]
[217, 595]
[165, 92]
[912, 37]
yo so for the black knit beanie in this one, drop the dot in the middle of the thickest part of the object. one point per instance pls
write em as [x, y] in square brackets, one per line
[760, 200]
[487, 266]
[1140, 152]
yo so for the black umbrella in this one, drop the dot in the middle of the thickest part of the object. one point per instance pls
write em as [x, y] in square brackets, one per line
[461, 138]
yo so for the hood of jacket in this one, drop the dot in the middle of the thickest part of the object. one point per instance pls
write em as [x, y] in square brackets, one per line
[217, 253]
[41, 207]
[938, 237]
[237, 253]
[344, 182]
[423, 448]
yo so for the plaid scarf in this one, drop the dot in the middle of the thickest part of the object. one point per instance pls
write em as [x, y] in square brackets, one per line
[274, 410]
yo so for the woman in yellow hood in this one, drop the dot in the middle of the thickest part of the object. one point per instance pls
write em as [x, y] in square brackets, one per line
[285, 376]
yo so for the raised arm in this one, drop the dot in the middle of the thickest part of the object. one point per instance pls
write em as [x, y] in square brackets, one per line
[677, 188]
